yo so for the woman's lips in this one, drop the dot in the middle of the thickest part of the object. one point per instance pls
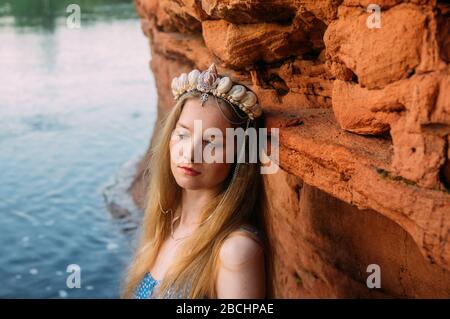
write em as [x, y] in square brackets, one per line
[189, 171]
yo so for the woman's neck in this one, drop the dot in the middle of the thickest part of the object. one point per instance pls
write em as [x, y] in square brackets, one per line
[192, 204]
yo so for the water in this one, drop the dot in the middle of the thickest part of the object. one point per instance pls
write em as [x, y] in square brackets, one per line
[75, 115]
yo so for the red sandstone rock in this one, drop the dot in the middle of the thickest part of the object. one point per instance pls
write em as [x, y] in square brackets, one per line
[322, 247]
[241, 46]
[364, 118]
[255, 11]
[364, 51]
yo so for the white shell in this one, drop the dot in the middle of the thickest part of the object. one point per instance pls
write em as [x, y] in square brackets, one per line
[224, 85]
[183, 82]
[174, 84]
[193, 77]
[237, 92]
[249, 99]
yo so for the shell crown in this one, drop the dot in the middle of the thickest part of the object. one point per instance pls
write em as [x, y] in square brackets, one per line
[209, 82]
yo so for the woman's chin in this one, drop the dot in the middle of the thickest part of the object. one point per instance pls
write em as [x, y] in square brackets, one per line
[189, 182]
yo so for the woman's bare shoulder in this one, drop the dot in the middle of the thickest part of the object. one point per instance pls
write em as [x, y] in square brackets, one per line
[241, 247]
[242, 270]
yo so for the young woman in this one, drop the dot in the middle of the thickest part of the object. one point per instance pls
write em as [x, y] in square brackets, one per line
[203, 230]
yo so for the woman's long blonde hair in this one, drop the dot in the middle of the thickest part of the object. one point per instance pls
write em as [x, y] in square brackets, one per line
[193, 272]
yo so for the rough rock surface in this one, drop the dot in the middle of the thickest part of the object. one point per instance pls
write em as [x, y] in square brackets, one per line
[364, 118]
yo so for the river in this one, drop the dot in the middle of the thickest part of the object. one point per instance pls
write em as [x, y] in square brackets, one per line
[76, 113]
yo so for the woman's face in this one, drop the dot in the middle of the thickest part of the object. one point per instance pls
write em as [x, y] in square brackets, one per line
[199, 173]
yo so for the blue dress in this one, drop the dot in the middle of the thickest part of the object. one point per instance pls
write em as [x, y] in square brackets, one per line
[145, 288]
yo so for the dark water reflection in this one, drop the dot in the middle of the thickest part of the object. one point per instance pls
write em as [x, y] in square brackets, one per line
[75, 115]
[48, 14]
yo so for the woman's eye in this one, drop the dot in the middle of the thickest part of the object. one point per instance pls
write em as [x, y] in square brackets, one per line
[213, 143]
[180, 135]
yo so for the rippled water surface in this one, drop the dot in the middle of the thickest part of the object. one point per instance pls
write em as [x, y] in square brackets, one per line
[75, 114]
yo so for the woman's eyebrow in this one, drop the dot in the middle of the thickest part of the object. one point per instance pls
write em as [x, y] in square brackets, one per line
[183, 125]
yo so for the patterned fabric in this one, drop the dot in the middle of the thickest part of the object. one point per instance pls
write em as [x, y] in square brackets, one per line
[147, 285]
[145, 288]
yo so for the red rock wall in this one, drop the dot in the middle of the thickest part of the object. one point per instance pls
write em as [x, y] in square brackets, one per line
[364, 118]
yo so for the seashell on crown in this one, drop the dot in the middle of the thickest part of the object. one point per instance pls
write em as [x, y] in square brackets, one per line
[209, 82]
